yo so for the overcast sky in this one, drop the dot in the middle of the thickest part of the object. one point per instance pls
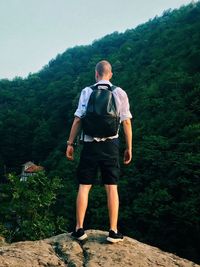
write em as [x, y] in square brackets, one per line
[32, 32]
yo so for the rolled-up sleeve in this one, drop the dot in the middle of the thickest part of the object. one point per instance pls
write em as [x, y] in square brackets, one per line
[125, 107]
[122, 104]
[83, 101]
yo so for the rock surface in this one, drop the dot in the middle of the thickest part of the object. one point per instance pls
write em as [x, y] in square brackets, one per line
[63, 251]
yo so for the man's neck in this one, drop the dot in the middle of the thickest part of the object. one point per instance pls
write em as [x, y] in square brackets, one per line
[103, 78]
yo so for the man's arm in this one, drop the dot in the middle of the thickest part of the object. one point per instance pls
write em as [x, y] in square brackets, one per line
[128, 138]
[76, 126]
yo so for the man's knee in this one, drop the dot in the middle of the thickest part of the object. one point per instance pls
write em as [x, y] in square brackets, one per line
[84, 188]
[111, 188]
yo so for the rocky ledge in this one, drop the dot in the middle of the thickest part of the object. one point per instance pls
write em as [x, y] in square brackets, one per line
[62, 251]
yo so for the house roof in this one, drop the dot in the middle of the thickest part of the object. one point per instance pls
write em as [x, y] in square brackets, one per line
[34, 168]
[28, 163]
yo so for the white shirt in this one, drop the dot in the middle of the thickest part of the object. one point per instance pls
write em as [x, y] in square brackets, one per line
[122, 104]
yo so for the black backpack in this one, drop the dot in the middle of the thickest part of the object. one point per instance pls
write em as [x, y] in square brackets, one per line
[101, 118]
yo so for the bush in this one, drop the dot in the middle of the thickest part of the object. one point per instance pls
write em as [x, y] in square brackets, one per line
[31, 216]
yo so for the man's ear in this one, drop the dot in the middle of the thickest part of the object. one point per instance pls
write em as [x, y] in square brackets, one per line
[96, 75]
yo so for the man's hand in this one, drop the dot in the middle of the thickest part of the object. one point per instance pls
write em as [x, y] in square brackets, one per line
[128, 137]
[127, 156]
[70, 153]
[76, 126]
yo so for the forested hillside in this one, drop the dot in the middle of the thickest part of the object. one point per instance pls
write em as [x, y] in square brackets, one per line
[158, 65]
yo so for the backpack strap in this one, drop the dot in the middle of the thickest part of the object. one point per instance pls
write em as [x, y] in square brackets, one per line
[113, 87]
[92, 86]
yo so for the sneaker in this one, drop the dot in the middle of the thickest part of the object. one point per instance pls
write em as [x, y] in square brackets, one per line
[79, 234]
[114, 237]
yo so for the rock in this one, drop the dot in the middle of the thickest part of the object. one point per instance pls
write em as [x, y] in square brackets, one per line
[62, 251]
[2, 240]
[29, 253]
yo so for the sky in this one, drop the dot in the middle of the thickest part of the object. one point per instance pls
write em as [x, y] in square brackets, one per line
[32, 32]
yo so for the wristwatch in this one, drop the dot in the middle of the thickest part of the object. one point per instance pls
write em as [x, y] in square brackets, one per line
[70, 143]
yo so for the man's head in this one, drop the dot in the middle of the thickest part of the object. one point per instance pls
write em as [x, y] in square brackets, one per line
[103, 71]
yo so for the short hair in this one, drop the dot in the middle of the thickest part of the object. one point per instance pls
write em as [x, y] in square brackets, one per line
[103, 67]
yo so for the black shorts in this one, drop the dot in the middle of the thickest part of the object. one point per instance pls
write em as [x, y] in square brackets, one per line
[103, 156]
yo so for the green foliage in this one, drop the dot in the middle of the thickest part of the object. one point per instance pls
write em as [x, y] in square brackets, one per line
[3, 230]
[97, 214]
[31, 206]
[158, 65]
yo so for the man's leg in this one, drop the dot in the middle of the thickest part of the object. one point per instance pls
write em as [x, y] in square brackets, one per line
[81, 204]
[113, 205]
[113, 208]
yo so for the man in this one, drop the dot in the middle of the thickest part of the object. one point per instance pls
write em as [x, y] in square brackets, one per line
[100, 153]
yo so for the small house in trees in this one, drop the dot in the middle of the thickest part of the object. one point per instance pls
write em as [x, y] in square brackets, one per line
[29, 169]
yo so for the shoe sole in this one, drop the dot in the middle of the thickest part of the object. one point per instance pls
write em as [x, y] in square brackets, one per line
[81, 238]
[114, 240]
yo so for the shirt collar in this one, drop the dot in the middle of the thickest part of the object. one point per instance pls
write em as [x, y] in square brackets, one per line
[104, 81]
